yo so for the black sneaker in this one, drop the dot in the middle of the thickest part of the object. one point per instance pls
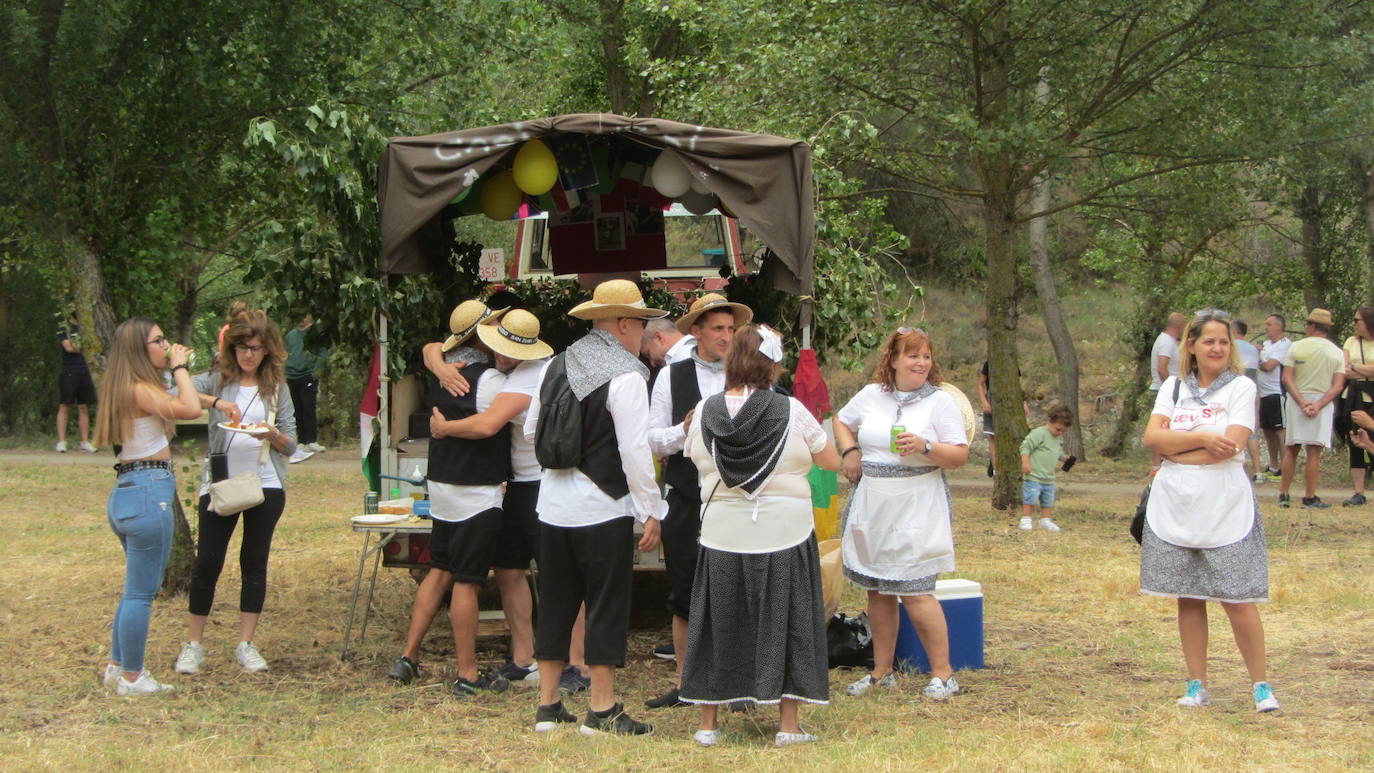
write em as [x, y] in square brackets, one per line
[990, 470]
[667, 700]
[1314, 503]
[572, 681]
[1354, 501]
[665, 652]
[547, 718]
[490, 682]
[1284, 501]
[525, 676]
[739, 707]
[404, 670]
[615, 721]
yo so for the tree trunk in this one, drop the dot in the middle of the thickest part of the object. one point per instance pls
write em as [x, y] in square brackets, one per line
[94, 309]
[1313, 248]
[177, 578]
[1058, 331]
[186, 307]
[1145, 326]
[612, 38]
[1363, 169]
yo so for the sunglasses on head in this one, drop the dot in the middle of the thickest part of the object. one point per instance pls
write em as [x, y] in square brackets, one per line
[904, 330]
[1212, 314]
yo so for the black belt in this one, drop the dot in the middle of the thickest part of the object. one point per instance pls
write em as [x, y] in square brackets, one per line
[154, 464]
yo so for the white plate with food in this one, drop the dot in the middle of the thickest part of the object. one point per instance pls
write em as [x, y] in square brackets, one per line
[251, 429]
[379, 519]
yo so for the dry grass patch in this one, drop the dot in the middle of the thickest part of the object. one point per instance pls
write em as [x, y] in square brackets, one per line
[1083, 671]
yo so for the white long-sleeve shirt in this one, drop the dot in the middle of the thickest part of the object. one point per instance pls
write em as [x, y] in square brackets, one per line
[569, 498]
[665, 437]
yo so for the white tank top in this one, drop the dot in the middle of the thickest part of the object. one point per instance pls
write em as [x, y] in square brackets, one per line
[149, 437]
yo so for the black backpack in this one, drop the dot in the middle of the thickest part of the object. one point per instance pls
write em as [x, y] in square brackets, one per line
[558, 436]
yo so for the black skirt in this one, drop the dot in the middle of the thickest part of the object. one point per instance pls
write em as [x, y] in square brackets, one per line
[756, 630]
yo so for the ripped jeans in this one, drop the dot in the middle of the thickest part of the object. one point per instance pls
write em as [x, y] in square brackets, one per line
[140, 514]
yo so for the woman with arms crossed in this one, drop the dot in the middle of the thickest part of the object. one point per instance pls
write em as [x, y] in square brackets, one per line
[894, 436]
[135, 417]
[1203, 540]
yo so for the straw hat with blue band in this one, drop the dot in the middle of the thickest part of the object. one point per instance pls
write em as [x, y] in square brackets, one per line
[714, 302]
[514, 334]
[462, 322]
[613, 299]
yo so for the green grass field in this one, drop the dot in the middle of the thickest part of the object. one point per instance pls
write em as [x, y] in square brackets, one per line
[1082, 670]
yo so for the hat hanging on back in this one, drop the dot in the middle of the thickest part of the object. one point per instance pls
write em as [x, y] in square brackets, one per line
[514, 334]
[1320, 317]
[462, 322]
[615, 298]
[714, 302]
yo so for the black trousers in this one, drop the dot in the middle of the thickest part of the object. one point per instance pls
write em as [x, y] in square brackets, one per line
[681, 534]
[594, 564]
[212, 543]
[304, 395]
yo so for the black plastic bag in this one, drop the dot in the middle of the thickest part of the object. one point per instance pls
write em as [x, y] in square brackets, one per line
[849, 641]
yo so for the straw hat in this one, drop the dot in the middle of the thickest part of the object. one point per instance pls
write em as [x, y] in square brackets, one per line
[514, 334]
[1320, 317]
[615, 298]
[462, 322]
[714, 302]
[965, 407]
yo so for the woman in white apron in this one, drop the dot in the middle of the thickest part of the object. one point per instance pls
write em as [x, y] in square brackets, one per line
[1202, 539]
[896, 437]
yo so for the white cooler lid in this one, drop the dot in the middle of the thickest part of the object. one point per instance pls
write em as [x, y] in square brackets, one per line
[949, 590]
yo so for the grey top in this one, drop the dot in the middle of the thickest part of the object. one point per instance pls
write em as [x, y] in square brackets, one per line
[210, 383]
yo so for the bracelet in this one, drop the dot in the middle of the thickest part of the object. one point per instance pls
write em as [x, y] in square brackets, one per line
[176, 368]
[214, 404]
[845, 452]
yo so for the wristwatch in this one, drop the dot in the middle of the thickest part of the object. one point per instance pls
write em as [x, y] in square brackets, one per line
[926, 450]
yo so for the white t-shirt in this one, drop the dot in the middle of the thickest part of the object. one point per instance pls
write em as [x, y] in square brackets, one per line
[1165, 346]
[1204, 505]
[453, 503]
[1249, 355]
[1269, 380]
[524, 380]
[872, 412]
[781, 515]
[244, 450]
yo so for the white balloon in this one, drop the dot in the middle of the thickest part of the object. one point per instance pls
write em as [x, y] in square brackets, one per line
[699, 185]
[670, 175]
[697, 203]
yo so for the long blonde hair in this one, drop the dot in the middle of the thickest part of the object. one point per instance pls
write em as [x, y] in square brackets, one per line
[272, 369]
[127, 366]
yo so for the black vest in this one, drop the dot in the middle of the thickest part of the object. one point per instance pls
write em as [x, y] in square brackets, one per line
[601, 453]
[462, 462]
[679, 471]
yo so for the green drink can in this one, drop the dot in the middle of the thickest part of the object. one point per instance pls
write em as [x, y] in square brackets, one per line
[897, 429]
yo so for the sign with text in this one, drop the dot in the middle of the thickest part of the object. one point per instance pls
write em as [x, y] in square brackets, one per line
[492, 266]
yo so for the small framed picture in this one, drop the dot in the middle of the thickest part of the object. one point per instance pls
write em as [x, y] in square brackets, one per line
[610, 232]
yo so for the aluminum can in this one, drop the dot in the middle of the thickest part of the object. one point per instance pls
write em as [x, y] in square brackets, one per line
[897, 429]
[370, 503]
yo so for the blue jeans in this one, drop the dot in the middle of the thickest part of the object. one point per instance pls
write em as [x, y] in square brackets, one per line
[1033, 493]
[140, 514]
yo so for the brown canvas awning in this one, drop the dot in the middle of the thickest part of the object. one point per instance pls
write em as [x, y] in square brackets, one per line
[764, 180]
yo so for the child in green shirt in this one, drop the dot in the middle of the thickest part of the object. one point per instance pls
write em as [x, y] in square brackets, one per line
[1041, 453]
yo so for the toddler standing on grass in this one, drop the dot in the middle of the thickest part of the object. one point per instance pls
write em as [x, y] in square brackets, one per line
[1041, 452]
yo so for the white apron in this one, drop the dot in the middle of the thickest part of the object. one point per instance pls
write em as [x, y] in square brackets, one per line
[898, 528]
[1201, 505]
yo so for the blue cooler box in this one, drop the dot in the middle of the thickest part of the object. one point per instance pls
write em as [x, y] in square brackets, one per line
[962, 601]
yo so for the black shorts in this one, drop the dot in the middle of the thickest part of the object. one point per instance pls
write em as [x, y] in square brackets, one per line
[681, 533]
[466, 548]
[76, 389]
[519, 526]
[1271, 412]
[594, 564]
[989, 428]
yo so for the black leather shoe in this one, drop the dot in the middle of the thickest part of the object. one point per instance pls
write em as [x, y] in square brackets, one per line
[667, 700]
[404, 670]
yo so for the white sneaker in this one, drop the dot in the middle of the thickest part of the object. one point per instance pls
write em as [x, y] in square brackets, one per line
[300, 455]
[61, 447]
[1265, 701]
[314, 448]
[1048, 525]
[1197, 695]
[249, 657]
[940, 689]
[706, 737]
[145, 684]
[862, 686]
[111, 674]
[1026, 523]
[190, 660]
[788, 739]
[87, 447]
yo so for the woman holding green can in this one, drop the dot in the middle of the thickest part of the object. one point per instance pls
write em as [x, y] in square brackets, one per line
[896, 437]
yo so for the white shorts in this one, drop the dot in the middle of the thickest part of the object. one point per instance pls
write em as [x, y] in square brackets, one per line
[1304, 430]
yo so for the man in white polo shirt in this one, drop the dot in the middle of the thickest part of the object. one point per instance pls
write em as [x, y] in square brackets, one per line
[1272, 354]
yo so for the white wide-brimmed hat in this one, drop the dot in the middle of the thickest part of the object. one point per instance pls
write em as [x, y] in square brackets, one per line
[615, 298]
[714, 302]
[514, 334]
[462, 322]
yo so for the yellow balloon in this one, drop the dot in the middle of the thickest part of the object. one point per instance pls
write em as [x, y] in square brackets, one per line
[500, 196]
[536, 170]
